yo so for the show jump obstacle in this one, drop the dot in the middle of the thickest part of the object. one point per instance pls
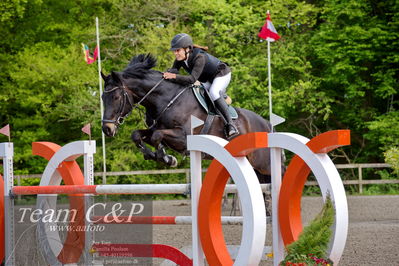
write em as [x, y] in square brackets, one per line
[206, 196]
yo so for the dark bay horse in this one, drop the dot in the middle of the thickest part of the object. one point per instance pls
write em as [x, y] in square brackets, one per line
[169, 107]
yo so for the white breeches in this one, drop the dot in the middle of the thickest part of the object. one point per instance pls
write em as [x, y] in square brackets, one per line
[218, 86]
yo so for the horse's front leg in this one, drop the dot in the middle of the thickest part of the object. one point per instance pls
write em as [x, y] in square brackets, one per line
[139, 137]
[174, 138]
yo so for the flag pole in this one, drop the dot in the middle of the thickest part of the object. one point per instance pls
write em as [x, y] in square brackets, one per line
[269, 77]
[270, 34]
[101, 102]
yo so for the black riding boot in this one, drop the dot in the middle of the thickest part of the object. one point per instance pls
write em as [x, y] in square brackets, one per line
[221, 105]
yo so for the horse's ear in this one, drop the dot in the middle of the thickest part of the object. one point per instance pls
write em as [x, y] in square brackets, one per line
[115, 77]
[103, 76]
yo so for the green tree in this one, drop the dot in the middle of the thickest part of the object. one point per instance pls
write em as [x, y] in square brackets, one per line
[336, 66]
[354, 57]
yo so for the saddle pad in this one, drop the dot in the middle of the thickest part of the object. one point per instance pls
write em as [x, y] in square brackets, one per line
[204, 100]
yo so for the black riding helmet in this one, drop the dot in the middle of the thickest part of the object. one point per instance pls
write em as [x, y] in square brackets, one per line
[181, 40]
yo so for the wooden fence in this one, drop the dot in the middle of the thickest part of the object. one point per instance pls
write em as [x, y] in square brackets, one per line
[360, 182]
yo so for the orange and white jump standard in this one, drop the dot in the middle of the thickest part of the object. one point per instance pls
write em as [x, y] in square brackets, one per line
[61, 166]
[230, 160]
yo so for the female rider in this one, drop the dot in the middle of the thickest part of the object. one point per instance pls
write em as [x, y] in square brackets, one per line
[213, 73]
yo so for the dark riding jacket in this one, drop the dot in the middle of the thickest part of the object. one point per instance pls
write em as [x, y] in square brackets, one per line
[201, 66]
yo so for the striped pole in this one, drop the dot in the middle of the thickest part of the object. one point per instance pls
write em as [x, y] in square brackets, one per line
[166, 220]
[103, 189]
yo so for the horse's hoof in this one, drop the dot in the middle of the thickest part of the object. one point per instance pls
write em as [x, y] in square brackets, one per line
[173, 162]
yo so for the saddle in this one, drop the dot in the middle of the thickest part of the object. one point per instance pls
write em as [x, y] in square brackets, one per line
[204, 99]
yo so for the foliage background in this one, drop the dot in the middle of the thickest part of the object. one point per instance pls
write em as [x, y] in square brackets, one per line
[335, 67]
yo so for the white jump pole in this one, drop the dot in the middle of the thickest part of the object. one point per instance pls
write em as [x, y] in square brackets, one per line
[116, 189]
[88, 162]
[196, 184]
[278, 244]
[7, 154]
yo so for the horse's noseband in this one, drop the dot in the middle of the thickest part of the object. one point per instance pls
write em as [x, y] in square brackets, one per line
[120, 117]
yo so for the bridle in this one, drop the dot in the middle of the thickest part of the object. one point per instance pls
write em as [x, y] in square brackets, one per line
[120, 117]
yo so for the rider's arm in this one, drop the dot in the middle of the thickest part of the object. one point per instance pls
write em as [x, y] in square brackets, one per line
[175, 68]
[199, 64]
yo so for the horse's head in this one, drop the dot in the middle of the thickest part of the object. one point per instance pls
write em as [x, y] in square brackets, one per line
[123, 89]
[118, 103]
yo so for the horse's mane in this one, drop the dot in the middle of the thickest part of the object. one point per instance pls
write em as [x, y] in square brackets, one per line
[140, 65]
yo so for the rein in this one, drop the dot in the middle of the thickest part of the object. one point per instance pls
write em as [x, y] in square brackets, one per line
[121, 118]
[148, 93]
[155, 121]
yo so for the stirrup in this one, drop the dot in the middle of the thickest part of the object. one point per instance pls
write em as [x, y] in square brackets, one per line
[231, 131]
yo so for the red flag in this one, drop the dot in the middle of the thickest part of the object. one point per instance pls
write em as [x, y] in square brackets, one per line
[268, 32]
[5, 130]
[86, 129]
